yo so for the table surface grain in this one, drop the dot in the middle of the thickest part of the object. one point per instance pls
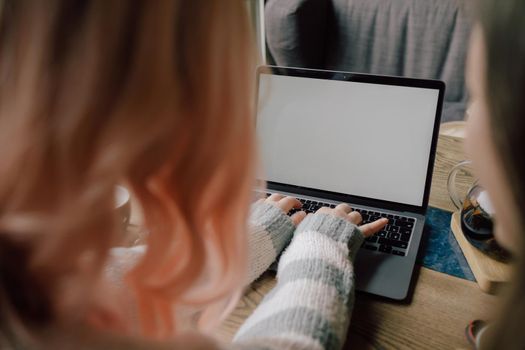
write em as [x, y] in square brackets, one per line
[440, 305]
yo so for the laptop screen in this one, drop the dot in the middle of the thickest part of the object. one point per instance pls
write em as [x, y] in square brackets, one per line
[363, 139]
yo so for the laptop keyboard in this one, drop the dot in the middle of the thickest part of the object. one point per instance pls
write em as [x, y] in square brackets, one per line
[393, 239]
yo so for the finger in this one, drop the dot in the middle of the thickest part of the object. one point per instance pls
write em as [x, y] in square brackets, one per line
[275, 197]
[355, 217]
[298, 217]
[373, 227]
[287, 203]
[344, 207]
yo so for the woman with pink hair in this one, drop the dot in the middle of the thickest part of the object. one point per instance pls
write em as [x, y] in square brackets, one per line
[156, 95]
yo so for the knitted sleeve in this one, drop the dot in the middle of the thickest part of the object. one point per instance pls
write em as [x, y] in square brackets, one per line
[270, 231]
[311, 304]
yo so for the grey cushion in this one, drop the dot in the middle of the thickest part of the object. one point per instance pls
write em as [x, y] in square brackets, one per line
[297, 31]
[414, 38]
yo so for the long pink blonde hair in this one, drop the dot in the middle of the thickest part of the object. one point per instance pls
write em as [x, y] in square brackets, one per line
[153, 94]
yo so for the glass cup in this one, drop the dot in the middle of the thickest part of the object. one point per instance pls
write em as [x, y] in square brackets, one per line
[476, 215]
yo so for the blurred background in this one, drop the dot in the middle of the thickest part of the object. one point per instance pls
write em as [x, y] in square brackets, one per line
[411, 38]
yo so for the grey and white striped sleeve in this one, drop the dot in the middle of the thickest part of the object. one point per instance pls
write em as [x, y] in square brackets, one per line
[311, 304]
[270, 232]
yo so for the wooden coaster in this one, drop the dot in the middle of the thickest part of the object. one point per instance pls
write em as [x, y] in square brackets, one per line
[489, 273]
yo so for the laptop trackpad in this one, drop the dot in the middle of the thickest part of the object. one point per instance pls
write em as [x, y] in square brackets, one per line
[383, 274]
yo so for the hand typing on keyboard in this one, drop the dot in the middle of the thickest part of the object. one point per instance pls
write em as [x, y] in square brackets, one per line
[344, 211]
[299, 209]
[287, 204]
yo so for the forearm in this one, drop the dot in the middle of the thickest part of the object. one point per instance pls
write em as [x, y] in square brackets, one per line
[311, 304]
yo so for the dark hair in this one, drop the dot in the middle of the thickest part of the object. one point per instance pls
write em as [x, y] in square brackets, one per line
[503, 27]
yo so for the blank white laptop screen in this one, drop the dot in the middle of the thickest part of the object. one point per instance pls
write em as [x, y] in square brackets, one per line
[362, 139]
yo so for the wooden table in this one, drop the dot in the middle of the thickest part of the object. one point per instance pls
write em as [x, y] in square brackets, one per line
[440, 306]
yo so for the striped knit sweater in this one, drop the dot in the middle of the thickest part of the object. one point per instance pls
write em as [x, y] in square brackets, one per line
[311, 304]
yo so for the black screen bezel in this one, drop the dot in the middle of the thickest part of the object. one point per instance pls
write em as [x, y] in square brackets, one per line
[371, 79]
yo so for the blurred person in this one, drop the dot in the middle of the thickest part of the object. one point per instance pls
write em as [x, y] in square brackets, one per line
[495, 142]
[156, 95]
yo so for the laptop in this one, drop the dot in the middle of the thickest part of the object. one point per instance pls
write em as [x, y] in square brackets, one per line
[328, 137]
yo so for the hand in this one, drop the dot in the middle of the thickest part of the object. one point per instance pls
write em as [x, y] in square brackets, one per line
[344, 211]
[286, 203]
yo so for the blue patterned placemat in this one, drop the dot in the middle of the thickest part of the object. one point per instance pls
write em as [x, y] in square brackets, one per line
[439, 249]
